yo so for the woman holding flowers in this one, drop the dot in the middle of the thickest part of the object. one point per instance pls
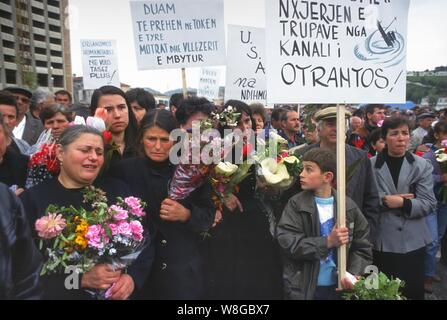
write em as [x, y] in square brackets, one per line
[175, 226]
[437, 220]
[81, 155]
[243, 261]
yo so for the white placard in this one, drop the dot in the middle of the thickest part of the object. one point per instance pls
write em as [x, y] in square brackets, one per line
[336, 51]
[100, 63]
[178, 33]
[246, 74]
[209, 83]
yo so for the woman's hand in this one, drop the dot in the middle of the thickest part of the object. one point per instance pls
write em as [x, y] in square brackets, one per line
[217, 218]
[19, 191]
[232, 202]
[171, 210]
[393, 201]
[123, 288]
[101, 276]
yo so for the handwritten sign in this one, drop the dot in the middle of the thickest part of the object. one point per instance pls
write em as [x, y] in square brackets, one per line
[100, 63]
[334, 51]
[178, 33]
[246, 74]
[209, 83]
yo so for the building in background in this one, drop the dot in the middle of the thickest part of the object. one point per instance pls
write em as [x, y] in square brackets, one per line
[35, 49]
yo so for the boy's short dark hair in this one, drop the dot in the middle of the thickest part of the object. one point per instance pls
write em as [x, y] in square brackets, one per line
[393, 123]
[323, 158]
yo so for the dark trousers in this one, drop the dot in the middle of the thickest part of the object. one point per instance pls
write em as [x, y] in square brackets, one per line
[408, 267]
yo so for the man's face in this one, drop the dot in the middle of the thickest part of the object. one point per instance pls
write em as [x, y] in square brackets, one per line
[426, 122]
[377, 116]
[356, 123]
[23, 103]
[328, 131]
[63, 99]
[292, 124]
[9, 115]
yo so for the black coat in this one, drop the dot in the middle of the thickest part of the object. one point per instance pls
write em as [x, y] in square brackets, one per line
[176, 272]
[242, 257]
[20, 261]
[14, 168]
[37, 199]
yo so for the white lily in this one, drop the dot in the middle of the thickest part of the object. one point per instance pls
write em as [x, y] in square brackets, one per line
[276, 138]
[226, 168]
[274, 173]
[441, 157]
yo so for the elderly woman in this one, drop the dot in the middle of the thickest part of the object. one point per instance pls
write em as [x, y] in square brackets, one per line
[177, 271]
[13, 165]
[81, 156]
[406, 191]
[41, 99]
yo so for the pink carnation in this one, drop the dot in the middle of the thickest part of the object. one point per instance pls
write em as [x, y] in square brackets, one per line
[114, 229]
[118, 213]
[124, 229]
[137, 230]
[135, 206]
[50, 226]
[96, 237]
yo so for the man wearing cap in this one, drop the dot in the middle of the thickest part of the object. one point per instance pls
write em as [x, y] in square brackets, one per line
[27, 128]
[425, 120]
[362, 187]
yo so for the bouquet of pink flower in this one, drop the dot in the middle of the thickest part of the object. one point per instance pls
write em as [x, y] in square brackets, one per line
[77, 237]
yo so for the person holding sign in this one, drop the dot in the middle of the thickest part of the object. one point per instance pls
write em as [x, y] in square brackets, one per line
[119, 120]
[406, 188]
[308, 236]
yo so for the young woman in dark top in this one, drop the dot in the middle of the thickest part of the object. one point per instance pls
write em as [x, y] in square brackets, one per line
[81, 155]
[176, 227]
[119, 120]
[242, 259]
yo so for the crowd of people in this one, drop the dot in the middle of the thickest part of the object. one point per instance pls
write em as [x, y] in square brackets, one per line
[260, 244]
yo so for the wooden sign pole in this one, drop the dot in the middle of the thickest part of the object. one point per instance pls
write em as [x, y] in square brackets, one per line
[341, 187]
[185, 90]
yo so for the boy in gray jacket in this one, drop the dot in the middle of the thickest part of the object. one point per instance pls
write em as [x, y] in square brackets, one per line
[308, 236]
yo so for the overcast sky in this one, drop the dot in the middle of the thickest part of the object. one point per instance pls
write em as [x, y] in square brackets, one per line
[110, 19]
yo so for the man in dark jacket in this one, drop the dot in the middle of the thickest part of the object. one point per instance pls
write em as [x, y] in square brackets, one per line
[20, 261]
[362, 186]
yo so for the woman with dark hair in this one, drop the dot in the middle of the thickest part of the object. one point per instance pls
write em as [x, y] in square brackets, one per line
[175, 226]
[56, 117]
[437, 220]
[119, 120]
[81, 155]
[258, 111]
[243, 260]
[400, 232]
[141, 102]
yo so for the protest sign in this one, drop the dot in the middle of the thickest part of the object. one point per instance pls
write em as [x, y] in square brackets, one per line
[336, 51]
[100, 63]
[178, 33]
[209, 83]
[246, 75]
